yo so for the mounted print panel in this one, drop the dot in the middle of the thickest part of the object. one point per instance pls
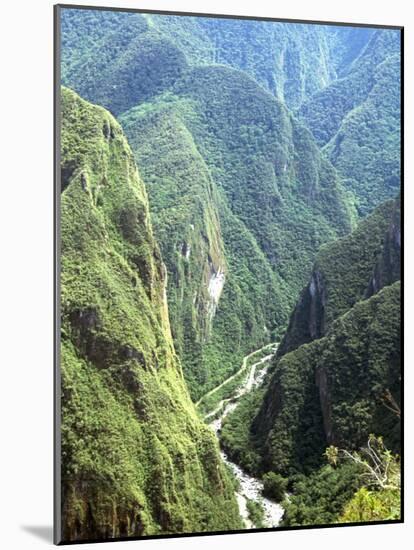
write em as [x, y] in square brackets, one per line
[228, 259]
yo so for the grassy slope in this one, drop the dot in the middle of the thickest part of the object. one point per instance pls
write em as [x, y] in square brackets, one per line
[136, 459]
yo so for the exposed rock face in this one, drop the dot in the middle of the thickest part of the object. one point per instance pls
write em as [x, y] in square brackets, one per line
[215, 288]
[312, 325]
[321, 380]
[136, 459]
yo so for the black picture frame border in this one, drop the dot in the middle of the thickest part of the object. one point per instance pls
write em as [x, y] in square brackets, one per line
[57, 497]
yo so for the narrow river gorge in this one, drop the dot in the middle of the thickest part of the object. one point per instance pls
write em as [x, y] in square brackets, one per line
[250, 488]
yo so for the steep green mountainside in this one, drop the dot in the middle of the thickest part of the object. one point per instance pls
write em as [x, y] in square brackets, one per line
[335, 390]
[259, 183]
[240, 193]
[259, 145]
[229, 135]
[270, 169]
[136, 460]
[357, 120]
[291, 61]
[326, 110]
[367, 148]
[337, 371]
[345, 272]
[346, 44]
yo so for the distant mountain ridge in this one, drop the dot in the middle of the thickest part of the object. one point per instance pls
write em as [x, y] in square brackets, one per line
[292, 61]
[357, 121]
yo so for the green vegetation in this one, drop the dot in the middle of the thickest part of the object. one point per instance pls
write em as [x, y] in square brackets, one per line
[201, 241]
[346, 271]
[372, 506]
[268, 166]
[293, 62]
[136, 459]
[274, 486]
[256, 190]
[236, 437]
[256, 513]
[211, 402]
[225, 391]
[319, 498]
[357, 486]
[357, 119]
[344, 385]
[290, 61]
[380, 497]
[128, 61]
[355, 366]
[269, 231]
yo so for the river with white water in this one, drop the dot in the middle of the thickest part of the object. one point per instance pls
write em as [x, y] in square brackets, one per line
[250, 488]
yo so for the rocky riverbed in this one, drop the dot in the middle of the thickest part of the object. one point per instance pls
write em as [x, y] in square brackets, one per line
[250, 488]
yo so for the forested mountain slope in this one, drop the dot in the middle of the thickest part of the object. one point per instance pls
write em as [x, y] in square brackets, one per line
[128, 63]
[270, 153]
[335, 390]
[136, 459]
[342, 82]
[293, 61]
[217, 273]
[357, 120]
[346, 271]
